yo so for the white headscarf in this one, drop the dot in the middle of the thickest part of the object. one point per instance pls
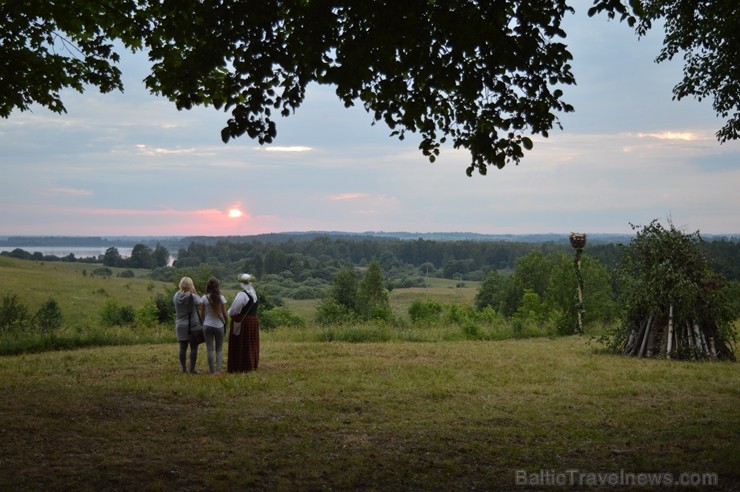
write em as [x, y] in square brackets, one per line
[245, 279]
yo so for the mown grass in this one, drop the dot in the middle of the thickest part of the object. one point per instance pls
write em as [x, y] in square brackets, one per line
[462, 415]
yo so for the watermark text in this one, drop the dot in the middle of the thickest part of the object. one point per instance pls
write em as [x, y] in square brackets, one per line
[620, 478]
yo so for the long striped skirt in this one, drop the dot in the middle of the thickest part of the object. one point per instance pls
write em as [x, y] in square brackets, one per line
[244, 348]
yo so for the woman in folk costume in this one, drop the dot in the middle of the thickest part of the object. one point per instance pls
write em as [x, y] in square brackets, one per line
[244, 339]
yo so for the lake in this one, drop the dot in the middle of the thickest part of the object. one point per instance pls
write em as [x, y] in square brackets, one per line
[78, 251]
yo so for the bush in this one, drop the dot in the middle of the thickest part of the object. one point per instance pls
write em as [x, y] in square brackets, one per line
[103, 272]
[380, 313]
[457, 314]
[165, 308]
[163, 274]
[330, 312]
[425, 311]
[305, 292]
[126, 274]
[147, 315]
[49, 316]
[13, 314]
[280, 316]
[114, 315]
[410, 281]
[471, 330]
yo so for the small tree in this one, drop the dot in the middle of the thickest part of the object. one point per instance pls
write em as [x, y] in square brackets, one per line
[113, 314]
[489, 293]
[13, 314]
[165, 307]
[112, 257]
[330, 312]
[141, 257]
[530, 309]
[344, 288]
[160, 256]
[49, 316]
[372, 299]
[425, 311]
[560, 295]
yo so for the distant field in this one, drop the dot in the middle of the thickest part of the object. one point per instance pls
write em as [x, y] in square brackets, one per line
[440, 290]
[80, 294]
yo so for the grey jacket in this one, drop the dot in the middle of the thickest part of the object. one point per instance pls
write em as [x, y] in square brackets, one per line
[186, 305]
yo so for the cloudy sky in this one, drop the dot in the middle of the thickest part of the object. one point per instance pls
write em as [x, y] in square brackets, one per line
[131, 164]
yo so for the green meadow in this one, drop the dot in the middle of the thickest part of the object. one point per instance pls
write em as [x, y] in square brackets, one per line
[444, 413]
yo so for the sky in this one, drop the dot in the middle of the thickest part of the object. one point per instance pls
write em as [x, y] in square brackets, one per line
[131, 164]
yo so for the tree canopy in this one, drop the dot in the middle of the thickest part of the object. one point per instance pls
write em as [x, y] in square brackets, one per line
[484, 75]
[707, 34]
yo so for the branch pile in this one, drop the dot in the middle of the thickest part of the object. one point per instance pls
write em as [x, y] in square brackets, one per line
[675, 306]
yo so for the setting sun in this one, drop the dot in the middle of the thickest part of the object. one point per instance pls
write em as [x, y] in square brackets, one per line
[235, 213]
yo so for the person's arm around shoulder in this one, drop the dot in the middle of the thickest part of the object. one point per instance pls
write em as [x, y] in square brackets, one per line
[201, 303]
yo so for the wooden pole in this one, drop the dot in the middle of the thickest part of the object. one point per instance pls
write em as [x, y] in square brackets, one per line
[697, 338]
[580, 291]
[645, 337]
[669, 345]
[578, 242]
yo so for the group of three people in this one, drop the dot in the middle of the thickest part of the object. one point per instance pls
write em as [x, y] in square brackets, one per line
[209, 311]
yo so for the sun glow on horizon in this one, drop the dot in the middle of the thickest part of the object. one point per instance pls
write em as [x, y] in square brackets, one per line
[235, 213]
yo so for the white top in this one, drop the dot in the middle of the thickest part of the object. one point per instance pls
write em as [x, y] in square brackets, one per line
[212, 318]
[240, 301]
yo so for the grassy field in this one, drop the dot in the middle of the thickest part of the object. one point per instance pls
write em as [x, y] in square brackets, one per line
[447, 414]
[80, 294]
[441, 290]
[467, 415]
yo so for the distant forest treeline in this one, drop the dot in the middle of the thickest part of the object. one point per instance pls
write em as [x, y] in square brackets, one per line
[320, 255]
[532, 282]
[467, 259]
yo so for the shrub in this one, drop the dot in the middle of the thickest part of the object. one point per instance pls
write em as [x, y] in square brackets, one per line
[425, 311]
[165, 308]
[280, 316]
[305, 292]
[380, 313]
[163, 274]
[114, 315]
[103, 272]
[126, 274]
[471, 330]
[457, 314]
[330, 312]
[147, 315]
[49, 316]
[530, 308]
[13, 314]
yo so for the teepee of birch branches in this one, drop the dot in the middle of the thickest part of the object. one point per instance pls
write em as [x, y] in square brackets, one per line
[675, 306]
